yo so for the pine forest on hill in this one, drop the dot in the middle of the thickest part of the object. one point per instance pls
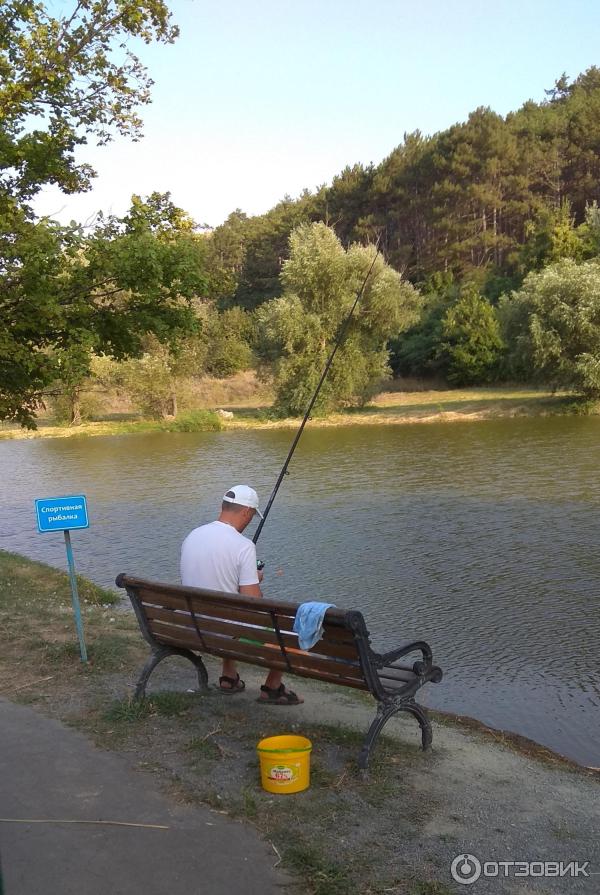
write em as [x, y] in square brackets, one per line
[484, 201]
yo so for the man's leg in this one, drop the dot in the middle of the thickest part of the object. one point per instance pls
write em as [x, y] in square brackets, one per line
[273, 679]
[273, 682]
[230, 671]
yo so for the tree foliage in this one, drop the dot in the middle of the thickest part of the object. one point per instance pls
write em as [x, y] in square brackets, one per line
[465, 215]
[320, 281]
[470, 340]
[227, 336]
[67, 294]
[66, 79]
[551, 236]
[560, 310]
[151, 381]
[416, 352]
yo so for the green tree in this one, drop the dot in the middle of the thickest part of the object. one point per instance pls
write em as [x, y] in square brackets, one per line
[73, 367]
[589, 232]
[266, 247]
[551, 236]
[227, 336]
[471, 343]
[560, 310]
[158, 238]
[464, 200]
[102, 293]
[226, 254]
[516, 363]
[219, 346]
[320, 281]
[349, 201]
[581, 169]
[416, 351]
[157, 214]
[66, 80]
[152, 380]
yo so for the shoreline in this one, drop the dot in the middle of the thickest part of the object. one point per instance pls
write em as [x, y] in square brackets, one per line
[386, 408]
[520, 744]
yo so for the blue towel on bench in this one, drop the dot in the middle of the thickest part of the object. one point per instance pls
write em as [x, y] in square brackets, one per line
[308, 624]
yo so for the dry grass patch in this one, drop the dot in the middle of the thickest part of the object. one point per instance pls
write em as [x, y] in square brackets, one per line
[38, 629]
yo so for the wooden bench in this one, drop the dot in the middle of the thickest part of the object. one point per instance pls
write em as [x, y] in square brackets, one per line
[189, 622]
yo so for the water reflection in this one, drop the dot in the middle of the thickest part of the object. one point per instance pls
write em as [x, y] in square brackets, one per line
[479, 536]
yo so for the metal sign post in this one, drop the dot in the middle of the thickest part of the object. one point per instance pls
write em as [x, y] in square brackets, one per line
[64, 514]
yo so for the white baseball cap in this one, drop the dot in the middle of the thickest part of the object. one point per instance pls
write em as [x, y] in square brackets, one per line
[244, 496]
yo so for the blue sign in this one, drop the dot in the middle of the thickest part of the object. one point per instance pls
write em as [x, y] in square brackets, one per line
[61, 513]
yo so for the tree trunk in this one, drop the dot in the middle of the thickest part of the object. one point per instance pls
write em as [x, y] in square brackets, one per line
[495, 225]
[75, 407]
[170, 407]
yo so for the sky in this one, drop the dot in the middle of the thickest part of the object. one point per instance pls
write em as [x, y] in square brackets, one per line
[262, 98]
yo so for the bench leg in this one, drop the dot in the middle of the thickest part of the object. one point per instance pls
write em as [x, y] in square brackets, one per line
[385, 710]
[163, 653]
[418, 712]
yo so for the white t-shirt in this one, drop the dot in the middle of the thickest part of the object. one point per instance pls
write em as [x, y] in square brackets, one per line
[218, 557]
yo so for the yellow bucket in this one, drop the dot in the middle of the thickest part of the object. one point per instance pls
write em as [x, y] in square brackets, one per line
[284, 763]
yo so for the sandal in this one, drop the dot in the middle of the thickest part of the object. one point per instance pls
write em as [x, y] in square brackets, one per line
[279, 696]
[236, 684]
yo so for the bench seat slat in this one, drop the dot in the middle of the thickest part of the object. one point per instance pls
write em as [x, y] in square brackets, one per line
[226, 613]
[168, 591]
[357, 683]
[216, 644]
[268, 659]
[324, 663]
[232, 628]
[183, 619]
[258, 616]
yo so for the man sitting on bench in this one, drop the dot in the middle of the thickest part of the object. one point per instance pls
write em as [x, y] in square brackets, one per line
[218, 556]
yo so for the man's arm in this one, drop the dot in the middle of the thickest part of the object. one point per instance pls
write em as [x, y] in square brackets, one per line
[250, 590]
[249, 573]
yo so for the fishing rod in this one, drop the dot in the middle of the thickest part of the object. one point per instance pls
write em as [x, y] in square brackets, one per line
[337, 344]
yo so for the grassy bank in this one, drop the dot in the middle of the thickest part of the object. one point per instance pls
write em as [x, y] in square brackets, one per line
[428, 406]
[193, 421]
[386, 408]
[394, 833]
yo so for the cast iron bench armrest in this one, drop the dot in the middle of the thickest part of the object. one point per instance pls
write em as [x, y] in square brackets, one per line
[381, 660]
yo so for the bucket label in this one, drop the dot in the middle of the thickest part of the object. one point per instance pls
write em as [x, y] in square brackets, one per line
[282, 774]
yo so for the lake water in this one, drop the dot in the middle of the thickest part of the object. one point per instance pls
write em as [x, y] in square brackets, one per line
[481, 537]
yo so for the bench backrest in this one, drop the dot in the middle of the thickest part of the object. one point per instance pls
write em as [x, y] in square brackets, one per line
[258, 631]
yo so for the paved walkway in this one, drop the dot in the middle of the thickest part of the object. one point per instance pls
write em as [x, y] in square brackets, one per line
[50, 772]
